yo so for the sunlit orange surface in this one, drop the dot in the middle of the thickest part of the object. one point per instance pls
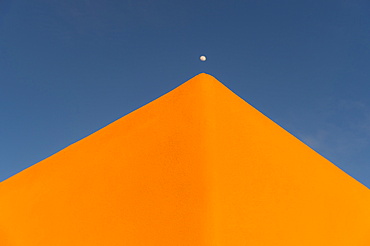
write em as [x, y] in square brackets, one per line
[197, 166]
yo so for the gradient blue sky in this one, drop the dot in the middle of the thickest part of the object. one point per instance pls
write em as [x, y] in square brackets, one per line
[68, 68]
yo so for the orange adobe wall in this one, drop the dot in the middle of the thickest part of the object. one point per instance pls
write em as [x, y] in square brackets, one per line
[197, 166]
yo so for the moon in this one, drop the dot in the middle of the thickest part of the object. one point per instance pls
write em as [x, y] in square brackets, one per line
[203, 58]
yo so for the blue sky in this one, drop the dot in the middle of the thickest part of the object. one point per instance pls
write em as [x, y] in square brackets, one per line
[68, 68]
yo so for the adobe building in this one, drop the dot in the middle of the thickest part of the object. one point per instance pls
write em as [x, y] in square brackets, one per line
[196, 167]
